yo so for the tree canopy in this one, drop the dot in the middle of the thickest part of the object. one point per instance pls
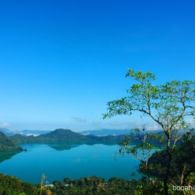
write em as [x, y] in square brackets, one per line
[171, 105]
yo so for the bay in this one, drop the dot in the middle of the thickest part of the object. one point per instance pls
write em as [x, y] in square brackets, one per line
[73, 161]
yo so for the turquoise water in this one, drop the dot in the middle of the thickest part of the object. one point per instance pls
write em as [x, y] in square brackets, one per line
[58, 162]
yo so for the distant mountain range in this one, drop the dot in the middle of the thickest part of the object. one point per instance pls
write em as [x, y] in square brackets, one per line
[107, 132]
[65, 136]
[7, 132]
[68, 137]
[101, 132]
[59, 139]
[33, 132]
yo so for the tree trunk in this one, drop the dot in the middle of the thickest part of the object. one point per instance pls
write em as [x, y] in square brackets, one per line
[169, 159]
[182, 180]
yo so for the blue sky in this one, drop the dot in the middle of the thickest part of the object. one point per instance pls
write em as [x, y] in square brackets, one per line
[62, 61]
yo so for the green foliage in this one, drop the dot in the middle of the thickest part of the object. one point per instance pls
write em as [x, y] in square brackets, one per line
[144, 147]
[94, 186]
[182, 164]
[114, 186]
[170, 105]
[13, 186]
[167, 104]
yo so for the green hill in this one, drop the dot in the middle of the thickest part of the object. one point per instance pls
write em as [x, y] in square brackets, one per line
[6, 145]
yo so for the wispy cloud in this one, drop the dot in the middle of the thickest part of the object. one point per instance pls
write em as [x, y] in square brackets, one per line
[79, 124]
[79, 119]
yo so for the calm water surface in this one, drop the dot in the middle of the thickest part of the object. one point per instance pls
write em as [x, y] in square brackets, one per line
[58, 162]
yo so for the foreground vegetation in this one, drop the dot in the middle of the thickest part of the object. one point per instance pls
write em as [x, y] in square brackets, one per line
[13, 186]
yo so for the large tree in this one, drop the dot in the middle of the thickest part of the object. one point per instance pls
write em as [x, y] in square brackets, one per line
[182, 164]
[171, 105]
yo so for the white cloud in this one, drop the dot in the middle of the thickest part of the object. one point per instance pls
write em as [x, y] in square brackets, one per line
[4, 125]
